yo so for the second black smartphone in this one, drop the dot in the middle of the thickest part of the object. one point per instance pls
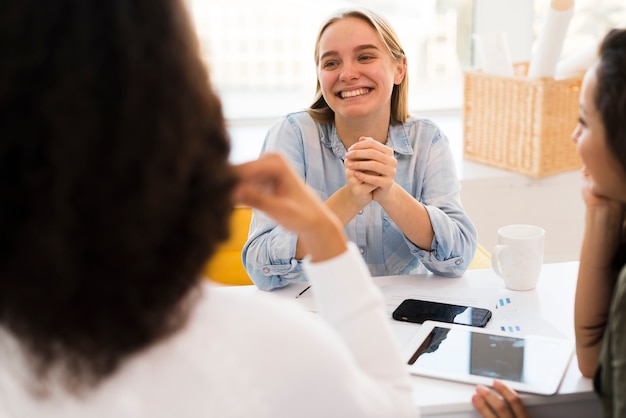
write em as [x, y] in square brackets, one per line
[418, 311]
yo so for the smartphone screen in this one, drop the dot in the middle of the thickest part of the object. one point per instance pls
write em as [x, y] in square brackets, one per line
[418, 311]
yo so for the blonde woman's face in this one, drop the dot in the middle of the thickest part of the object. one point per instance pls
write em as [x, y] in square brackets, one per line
[590, 137]
[355, 70]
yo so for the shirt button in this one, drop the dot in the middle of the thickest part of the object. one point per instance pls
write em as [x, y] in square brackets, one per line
[361, 212]
[459, 261]
[266, 270]
[362, 250]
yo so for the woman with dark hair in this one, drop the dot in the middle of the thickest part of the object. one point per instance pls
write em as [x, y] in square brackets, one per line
[600, 306]
[389, 177]
[116, 189]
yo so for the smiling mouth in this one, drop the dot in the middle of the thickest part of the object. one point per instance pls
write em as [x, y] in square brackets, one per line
[353, 93]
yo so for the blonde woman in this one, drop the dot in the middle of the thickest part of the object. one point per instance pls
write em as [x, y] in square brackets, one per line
[389, 177]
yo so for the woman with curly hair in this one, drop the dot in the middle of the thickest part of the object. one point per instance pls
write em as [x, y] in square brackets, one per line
[116, 189]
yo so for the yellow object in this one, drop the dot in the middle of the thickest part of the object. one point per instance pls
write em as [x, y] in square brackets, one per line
[226, 266]
[481, 260]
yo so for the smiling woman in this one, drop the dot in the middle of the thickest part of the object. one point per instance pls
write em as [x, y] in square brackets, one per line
[389, 177]
[354, 63]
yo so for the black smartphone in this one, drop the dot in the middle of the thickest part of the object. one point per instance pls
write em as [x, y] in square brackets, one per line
[418, 311]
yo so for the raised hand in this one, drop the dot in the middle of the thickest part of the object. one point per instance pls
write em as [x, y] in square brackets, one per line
[593, 197]
[270, 185]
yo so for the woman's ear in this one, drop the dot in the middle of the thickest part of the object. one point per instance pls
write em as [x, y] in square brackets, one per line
[400, 71]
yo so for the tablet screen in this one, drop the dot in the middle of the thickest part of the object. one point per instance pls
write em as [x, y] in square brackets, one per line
[535, 364]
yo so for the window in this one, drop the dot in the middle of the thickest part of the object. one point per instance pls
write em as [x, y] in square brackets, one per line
[260, 54]
[592, 19]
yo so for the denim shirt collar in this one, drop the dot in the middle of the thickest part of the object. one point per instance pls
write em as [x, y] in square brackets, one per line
[397, 140]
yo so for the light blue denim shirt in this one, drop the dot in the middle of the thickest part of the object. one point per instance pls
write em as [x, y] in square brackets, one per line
[425, 169]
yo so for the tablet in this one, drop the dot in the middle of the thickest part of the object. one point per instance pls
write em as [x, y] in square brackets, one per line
[466, 354]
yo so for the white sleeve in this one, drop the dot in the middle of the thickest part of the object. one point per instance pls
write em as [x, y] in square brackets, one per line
[353, 306]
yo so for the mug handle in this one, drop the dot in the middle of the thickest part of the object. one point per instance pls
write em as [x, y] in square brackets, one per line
[499, 252]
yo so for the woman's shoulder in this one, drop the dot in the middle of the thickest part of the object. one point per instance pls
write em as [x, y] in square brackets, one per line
[298, 121]
[300, 117]
[225, 316]
[619, 296]
[415, 122]
[241, 324]
[302, 125]
[217, 307]
[418, 131]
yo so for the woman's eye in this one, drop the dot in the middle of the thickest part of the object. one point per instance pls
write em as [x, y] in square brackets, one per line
[365, 57]
[329, 64]
[581, 122]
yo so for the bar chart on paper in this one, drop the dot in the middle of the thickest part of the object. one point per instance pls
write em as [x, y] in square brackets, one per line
[512, 316]
[505, 311]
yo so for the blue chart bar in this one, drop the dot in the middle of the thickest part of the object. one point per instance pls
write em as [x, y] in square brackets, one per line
[502, 302]
[510, 328]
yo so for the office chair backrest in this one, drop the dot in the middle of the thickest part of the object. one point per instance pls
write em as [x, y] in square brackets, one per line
[226, 266]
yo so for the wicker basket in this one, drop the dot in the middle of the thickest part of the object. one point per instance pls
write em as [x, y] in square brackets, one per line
[520, 124]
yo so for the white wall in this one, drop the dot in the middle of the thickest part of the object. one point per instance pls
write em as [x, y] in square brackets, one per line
[555, 203]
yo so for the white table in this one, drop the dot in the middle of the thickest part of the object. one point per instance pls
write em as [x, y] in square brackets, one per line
[546, 310]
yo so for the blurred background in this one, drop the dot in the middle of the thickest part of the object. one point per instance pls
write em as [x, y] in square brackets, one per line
[260, 53]
[260, 56]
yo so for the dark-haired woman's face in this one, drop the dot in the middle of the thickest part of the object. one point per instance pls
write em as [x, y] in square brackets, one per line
[602, 165]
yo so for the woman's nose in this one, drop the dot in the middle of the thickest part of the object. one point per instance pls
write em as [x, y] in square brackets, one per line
[349, 72]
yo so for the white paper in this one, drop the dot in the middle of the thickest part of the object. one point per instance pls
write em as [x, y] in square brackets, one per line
[492, 51]
[550, 41]
[576, 64]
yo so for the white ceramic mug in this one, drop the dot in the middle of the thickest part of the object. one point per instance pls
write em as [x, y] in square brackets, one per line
[519, 255]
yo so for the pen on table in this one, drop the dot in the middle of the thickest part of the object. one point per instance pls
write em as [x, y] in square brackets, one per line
[305, 289]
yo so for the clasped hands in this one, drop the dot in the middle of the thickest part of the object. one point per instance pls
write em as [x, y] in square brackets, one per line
[370, 171]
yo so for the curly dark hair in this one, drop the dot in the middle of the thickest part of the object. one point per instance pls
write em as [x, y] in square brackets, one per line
[114, 179]
[610, 95]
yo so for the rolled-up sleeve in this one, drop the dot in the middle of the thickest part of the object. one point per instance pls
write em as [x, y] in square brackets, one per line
[269, 253]
[455, 237]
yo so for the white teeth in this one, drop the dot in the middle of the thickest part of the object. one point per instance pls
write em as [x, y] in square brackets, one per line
[353, 93]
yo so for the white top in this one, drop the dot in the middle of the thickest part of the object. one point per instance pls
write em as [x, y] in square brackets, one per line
[246, 355]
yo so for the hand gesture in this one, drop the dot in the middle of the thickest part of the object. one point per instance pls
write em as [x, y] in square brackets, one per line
[370, 168]
[270, 185]
[501, 402]
[593, 198]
